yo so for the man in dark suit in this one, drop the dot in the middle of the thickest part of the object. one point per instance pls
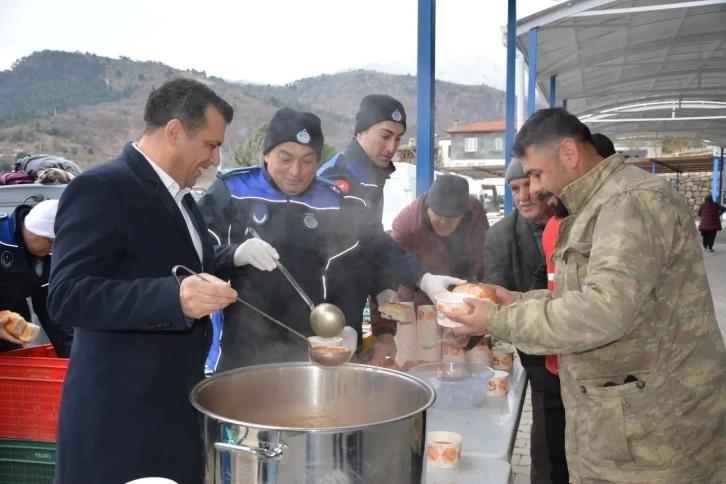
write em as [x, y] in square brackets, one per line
[512, 254]
[141, 339]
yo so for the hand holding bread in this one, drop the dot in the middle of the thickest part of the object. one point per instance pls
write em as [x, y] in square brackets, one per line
[16, 329]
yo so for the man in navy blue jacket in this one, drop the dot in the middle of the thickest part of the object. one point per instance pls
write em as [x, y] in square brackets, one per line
[141, 339]
[312, 227]
[361, 170]
[26, 243]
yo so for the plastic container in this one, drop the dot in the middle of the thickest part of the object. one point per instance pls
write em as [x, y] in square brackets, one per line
[451, 302]
[26, 462]
[31, 380]
[457, 385]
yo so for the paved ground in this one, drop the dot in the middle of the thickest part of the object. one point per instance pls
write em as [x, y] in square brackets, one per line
[716, 268]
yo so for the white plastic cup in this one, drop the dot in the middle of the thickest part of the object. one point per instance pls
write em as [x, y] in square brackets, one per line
[451, 302]
[443, 449]
[503, 357]
[498, 384]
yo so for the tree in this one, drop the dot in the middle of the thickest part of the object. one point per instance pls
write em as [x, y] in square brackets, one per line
[250, 154]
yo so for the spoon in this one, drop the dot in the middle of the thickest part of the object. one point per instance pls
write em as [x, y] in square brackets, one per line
[320, 354]
[326, 319]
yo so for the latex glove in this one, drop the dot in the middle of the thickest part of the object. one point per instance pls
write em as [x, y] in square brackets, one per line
[256, 253]
[385, 347]
[350, 339]
[433, 285]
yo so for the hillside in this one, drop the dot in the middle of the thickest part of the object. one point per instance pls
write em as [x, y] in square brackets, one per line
[84, 106]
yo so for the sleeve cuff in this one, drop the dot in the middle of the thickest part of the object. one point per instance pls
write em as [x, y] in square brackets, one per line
[497, 322]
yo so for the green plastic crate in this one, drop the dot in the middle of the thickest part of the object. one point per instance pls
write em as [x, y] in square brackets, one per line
[26, 462]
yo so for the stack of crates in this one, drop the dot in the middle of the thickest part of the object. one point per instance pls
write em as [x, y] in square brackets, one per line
[30, 388]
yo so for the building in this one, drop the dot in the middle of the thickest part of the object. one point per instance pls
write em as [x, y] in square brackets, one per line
[406, 153]
[476, 144]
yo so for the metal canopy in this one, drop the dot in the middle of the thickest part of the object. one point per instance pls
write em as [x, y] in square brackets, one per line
[650, 68]
[674, 164]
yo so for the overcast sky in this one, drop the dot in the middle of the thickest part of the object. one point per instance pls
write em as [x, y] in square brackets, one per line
[268, 41]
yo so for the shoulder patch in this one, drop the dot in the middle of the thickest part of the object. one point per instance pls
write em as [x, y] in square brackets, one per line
[343, 185]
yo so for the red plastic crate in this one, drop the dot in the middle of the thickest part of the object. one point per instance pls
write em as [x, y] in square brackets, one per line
[30, 387]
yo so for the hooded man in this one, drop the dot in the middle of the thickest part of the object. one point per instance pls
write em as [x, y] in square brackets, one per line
[26, 244]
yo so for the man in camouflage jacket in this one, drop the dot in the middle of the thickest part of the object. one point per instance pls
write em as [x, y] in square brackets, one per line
[642, 360]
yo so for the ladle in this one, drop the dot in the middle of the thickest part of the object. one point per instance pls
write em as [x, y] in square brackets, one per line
[327, 320]
[321, 357]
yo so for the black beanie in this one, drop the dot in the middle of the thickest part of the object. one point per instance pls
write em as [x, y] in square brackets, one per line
[299, 127]
[377, 108]
[603, 145]
[449, 196]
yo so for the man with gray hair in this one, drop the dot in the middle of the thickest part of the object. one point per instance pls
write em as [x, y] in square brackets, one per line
[512, 254]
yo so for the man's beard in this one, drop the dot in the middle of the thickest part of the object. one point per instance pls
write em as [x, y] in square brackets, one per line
[558, 208]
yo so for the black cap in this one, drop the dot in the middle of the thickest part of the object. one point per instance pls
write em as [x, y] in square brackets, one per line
[603, 145]
[299, 127]
[449, 196]
[377, 108]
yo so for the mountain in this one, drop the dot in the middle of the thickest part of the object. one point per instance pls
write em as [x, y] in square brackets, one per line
[85, 107]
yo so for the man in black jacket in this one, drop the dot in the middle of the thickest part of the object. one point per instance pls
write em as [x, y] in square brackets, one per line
[141, 337]
[512, 254]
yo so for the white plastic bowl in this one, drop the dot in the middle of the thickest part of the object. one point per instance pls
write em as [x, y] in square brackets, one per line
[457, 385]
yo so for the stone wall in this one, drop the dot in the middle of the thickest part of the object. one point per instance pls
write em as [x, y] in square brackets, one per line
[693, 186]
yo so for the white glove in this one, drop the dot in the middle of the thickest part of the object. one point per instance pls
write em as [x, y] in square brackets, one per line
[257, 253]
[387, 295]
[350, 339]
[433, 285]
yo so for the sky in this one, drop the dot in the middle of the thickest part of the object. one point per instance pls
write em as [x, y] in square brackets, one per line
[267, 41]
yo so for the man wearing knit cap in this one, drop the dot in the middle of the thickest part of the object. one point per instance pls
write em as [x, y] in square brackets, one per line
[312, 226]
[445, 228]
[362, 170]
[512, 255]
[26, 243]
[295, 216]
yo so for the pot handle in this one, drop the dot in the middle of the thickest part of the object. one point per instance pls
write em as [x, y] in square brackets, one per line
[266, 453]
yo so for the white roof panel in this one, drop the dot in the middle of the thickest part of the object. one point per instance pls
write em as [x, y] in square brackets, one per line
[608, 54]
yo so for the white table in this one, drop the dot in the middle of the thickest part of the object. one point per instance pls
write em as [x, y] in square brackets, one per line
[489, 432]
[471, 470]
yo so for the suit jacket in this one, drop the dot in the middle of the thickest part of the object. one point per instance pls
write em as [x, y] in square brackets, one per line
[512, 256]
[125, 410]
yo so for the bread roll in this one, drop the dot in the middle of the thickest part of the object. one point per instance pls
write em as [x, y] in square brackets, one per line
[479, 291]
[30, 333]
[402, 313]
[15, 325]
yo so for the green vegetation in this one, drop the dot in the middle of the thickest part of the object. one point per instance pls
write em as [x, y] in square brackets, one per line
[27, 91]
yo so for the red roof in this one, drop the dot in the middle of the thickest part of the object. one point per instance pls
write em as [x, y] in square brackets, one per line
[485, 127]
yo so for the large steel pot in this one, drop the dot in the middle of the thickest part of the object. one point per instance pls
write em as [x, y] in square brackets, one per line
[297, 423]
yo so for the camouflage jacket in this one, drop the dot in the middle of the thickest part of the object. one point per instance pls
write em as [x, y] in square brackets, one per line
[631, 299]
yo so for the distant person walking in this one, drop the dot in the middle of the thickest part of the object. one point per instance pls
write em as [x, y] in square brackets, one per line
[710, 214]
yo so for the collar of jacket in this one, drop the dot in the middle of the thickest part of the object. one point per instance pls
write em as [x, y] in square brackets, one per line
[355, 152]
[268, 178]
[578, 193]
[16, 221]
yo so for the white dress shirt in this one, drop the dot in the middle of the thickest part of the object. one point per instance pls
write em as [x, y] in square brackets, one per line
[177, 193]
